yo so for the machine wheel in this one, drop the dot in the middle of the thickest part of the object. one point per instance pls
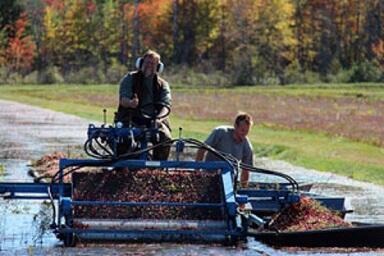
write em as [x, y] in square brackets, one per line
[69, 240]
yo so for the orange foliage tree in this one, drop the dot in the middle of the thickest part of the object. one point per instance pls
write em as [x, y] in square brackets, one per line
[20, 52]
[378, 49]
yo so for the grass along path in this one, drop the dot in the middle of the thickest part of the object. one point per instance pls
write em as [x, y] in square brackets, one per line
[315, 150]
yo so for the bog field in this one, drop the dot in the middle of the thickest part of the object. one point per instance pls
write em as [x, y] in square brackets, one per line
[334, 128]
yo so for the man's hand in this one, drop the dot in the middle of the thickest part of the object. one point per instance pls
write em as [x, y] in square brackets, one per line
[163, 113]
[200, 154]
[130, 103]
[244, 177]
[134, 101]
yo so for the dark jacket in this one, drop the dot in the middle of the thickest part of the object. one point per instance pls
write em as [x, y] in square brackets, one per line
[125, 115]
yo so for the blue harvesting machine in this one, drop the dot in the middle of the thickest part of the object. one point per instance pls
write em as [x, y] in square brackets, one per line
[238, 212]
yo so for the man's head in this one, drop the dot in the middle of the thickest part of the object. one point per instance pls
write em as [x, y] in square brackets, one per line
[151, 60]
[243, 123]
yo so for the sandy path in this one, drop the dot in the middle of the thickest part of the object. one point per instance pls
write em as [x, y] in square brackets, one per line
[28, 132]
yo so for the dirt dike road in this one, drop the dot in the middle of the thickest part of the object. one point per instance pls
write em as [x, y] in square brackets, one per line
[28, 132]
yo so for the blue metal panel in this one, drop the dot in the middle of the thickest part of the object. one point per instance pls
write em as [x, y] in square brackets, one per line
[214, 165]
[229, 194]
[33, 190]
[270, 185]
[112, 132]
[66, 206]
[332, 203]
[229, 203]
[111, 203]
[112, 135]
[157, 235]
[242, 199]
[268, 201]
[265, 193]
[265, 205]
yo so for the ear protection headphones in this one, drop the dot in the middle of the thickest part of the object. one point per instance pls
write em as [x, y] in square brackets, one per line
[139, 64]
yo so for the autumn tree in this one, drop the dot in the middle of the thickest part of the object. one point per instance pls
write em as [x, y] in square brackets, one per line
[53, 21]
[260, 42]
[20, 52]
[155, 26]
[70, 36]
[35, 16]
[275, 40]
[220, 48]
[107, 44]
[10, 11]
[196, 22]
[240, 39]
[378, 50]
[373, 34]
[251, 41]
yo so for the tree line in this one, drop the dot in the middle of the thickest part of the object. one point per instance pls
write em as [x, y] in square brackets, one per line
[247, 41]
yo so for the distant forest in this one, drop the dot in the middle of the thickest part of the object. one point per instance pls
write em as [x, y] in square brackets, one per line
[247, 42]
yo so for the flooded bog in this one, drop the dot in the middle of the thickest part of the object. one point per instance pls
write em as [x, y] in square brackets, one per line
[28, 132]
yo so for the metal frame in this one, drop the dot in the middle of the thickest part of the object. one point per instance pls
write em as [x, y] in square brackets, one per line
[34, 191]
[112, 135]
[233, 231]
[263, 203]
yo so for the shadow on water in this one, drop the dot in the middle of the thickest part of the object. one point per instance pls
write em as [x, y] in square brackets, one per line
[23, 222]
[24, 225]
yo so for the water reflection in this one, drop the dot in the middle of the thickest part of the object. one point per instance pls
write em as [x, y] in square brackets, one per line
[41, 222]
[22, 222]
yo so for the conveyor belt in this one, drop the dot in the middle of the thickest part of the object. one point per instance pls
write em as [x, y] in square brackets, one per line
[143, 224]
[150, 230]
